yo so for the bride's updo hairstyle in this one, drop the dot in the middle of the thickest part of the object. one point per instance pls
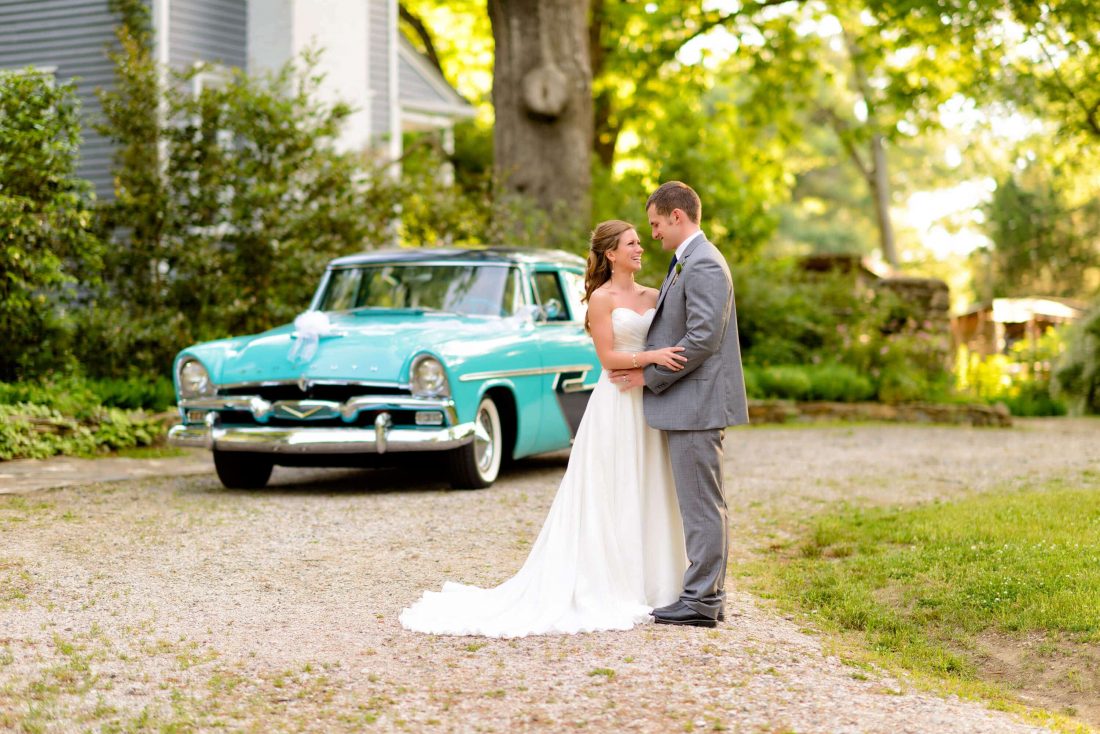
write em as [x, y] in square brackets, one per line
[605, 237]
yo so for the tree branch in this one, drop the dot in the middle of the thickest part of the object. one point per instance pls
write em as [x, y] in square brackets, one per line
[840, 127]
[670, 49]
[1090, 112]
[421, 31]
[854, 54]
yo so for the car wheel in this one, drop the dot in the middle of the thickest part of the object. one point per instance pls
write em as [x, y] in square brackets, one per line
[477, 464]
[239, 470]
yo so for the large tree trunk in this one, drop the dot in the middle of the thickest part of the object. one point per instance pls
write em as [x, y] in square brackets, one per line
[542, 95]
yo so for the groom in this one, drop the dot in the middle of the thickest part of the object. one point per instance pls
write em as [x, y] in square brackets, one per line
[693, 406]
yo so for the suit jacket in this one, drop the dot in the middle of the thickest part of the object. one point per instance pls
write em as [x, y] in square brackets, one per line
[696, 310]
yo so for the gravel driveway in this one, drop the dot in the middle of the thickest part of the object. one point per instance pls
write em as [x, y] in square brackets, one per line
[174, 604]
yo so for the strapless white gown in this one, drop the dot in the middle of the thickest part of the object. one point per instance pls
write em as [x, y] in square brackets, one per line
[612, 546]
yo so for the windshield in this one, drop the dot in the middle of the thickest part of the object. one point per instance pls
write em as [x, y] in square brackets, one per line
[472, 290]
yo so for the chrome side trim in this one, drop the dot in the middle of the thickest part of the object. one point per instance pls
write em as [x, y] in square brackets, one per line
[457, 262]
[529, 372]
[572, 384]
[268, 440]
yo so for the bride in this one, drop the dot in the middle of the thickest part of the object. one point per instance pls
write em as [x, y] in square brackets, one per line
[612, 546]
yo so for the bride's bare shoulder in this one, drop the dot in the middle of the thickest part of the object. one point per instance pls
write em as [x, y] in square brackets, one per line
[601, 297]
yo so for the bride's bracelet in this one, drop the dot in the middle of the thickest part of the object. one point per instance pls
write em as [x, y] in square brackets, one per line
[634, 360]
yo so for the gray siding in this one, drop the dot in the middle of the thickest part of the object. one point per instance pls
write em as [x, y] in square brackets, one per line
[379, 66]
[71, 35]
[208, 30]
[414, 90]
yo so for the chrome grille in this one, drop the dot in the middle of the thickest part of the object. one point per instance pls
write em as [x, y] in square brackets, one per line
[339, 392]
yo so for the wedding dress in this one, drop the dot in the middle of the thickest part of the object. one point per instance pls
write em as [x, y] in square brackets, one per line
[612, 546]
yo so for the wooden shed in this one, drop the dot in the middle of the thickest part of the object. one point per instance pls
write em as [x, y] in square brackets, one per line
[992, 327]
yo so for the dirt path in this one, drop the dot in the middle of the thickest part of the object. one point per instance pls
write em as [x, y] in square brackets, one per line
[24, 476]
[170, 602]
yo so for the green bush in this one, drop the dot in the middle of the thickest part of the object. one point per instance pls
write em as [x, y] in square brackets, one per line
[79, 417]
[82, 398]
[1020, 380]
[785, 317]
[838, 382]
[29, 431]
[876, 342]
[68, 396]
[901, 384]
[752, 383]
[45, 220]
[785, 382]
[1032, 400]
[834, 382]
[1077, 376]
[155, 394]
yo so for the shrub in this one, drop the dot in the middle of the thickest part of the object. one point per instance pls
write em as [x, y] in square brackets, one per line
[1077, 376]
[83, 398]
[68, 396]
[785, 382]
[877, 343]
[752, 382]
[1032, 399]
[29, 431]
[155, 394]
[45, 217]
[785, 318]
[835, 382]
[1021, 379]
[901, 384]
[838, 382]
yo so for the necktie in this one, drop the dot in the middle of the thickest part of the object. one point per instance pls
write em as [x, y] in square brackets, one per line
[671, 265]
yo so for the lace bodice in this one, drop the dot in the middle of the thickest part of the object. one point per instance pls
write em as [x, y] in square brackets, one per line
[630, 328]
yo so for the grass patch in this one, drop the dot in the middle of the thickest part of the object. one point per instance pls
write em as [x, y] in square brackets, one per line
[924, 588]
[15, 581]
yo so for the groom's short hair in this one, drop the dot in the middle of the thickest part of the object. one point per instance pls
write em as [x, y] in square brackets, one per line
[676, 195]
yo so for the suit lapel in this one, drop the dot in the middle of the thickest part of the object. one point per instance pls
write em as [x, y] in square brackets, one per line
[680, 263]
[664, 290]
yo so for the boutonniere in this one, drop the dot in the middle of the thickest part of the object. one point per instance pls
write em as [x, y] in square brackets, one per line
[679, 267]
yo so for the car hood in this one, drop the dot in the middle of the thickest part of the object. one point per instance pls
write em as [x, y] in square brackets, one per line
[363, 346]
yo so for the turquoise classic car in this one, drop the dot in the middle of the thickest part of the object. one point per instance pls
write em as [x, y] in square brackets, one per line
[464, 356]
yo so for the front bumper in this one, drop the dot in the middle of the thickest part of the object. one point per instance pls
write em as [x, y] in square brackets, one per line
[307, 440]
[317, 439]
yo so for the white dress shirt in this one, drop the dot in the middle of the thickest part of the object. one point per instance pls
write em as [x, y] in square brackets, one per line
[683, 245]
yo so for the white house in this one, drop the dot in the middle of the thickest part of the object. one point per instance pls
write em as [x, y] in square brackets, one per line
[365, 60]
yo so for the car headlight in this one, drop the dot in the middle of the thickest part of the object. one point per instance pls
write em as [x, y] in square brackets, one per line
[428, 378]
[194, 380]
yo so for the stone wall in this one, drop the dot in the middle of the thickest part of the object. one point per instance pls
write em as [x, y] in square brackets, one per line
[784, 411]
[927, 302]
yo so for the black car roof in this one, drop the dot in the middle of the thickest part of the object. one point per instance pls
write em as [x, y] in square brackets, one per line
[499, 254]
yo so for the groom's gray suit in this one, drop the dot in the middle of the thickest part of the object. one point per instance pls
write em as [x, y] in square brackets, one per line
[693, 406]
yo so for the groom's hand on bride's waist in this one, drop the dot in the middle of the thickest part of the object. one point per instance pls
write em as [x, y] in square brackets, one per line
[628, 379]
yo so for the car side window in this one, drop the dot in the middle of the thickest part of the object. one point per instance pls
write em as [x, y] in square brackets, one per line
[343, 290]
[513, 293]
[574, 291]
[551, 296]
